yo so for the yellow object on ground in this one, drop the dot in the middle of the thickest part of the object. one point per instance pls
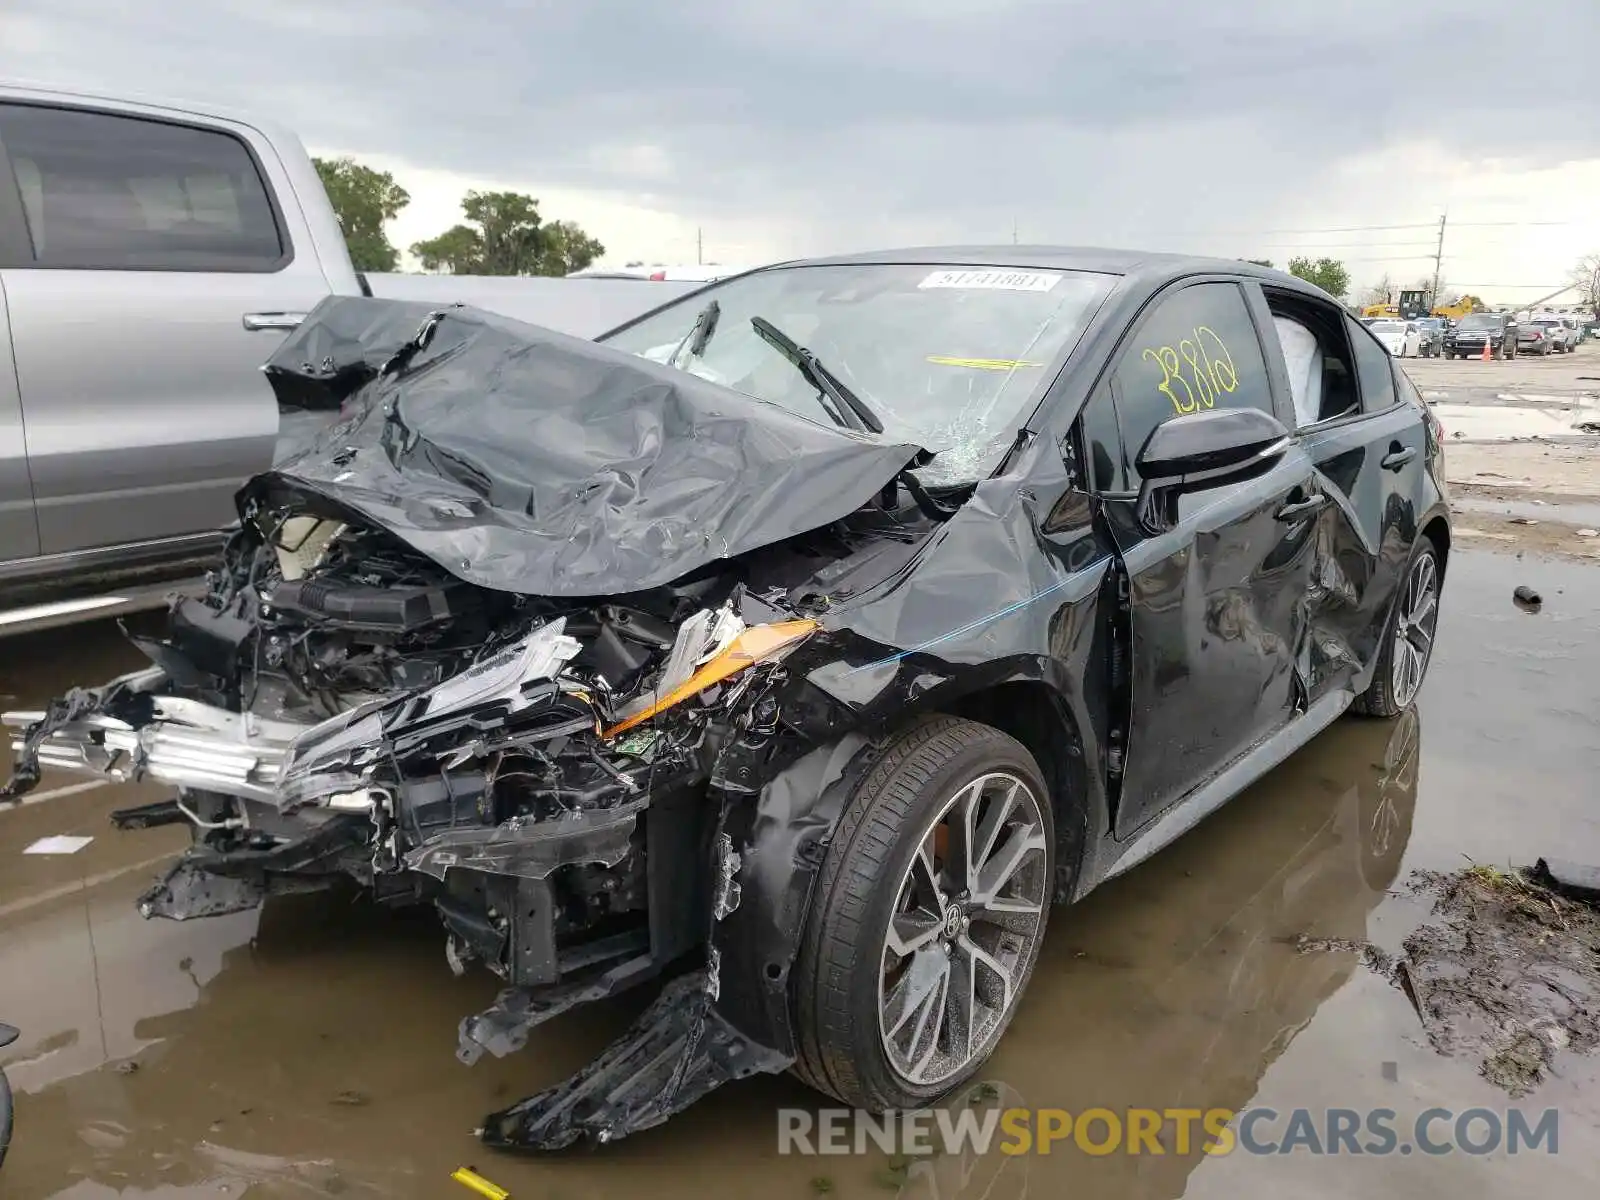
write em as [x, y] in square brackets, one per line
[467, 1177]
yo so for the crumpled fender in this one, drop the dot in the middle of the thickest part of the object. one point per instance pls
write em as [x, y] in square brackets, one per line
[732, 1017]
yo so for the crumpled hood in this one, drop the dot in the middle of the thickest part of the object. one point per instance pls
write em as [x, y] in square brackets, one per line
[528, 461]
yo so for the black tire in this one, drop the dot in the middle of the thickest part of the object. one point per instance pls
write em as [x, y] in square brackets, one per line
[1380, 700]
[836, 978]
[5, 1117]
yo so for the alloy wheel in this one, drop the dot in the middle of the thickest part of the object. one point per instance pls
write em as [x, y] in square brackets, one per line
[968, 914]
[1415, 622]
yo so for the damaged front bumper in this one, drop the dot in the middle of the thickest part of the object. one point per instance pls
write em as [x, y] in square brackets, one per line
[129, 730]
[571, 858]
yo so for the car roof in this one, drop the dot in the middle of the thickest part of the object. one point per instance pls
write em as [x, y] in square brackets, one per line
[1145, 266]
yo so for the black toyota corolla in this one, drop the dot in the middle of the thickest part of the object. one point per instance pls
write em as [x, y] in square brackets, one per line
[804, 640]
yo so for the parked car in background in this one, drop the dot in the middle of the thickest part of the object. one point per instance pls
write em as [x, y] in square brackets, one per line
[1403, 339]
[1475, 330]
[1542, 335]
[1431, 333]
[1574, 332]
[152, 257]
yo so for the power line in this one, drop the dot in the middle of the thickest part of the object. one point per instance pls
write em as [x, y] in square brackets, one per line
[1319, 246]
[1273, 232]
[1429, 225]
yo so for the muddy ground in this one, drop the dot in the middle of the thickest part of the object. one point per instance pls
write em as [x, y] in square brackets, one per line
[308, 1051]
[1522, 449]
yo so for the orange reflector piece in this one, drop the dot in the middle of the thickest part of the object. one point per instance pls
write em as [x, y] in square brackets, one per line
[752, 646]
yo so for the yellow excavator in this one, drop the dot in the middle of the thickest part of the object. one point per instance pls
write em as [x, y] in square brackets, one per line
[1412, 304]
[1454, 312]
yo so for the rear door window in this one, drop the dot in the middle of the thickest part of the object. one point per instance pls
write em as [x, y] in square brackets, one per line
[1374, 370]
[105, 192]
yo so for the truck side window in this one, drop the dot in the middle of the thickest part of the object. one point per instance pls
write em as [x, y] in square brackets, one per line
[103, 192]
[1374, 369]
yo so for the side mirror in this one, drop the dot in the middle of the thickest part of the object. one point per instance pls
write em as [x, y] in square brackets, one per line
[1201, 450]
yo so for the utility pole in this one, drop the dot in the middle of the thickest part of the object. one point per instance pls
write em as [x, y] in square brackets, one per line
[1438, 259]
[1013, 231]
[699, 247]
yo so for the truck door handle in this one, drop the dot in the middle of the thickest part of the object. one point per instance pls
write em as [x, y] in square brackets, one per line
[272, 320]
[1398, 456]
[1295, 509]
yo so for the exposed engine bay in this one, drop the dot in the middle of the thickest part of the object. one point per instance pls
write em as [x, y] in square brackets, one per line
[404, 674]
[336, 704]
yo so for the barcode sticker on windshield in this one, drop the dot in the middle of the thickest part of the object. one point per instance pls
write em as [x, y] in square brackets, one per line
[1010, 281]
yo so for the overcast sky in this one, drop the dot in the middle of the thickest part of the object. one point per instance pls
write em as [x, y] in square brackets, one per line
[1252, 128]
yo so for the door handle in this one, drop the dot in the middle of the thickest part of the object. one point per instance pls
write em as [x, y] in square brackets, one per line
[1295, 509]
[1399, 457]
[272, 320]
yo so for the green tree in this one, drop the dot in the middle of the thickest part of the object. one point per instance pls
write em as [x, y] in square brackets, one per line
[363, 200]
[505, 236]
[568, 248]
[458, 251]
[1329, 274]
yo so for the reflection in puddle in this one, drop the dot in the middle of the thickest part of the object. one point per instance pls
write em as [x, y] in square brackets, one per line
[1173, 986]
[1177, 985]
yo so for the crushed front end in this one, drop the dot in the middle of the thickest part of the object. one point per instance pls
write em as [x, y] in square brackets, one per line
[454, 652]
[336, 706]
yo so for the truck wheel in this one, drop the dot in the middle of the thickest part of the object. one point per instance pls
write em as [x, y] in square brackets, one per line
[1408, 641]
[927, 917]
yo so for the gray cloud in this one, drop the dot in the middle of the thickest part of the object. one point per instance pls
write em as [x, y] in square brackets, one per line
[869, 120]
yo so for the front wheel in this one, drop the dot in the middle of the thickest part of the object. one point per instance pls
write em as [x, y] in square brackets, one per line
[927, 919]
[1408, 640]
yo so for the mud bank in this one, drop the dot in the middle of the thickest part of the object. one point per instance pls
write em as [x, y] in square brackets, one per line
[1505, 971]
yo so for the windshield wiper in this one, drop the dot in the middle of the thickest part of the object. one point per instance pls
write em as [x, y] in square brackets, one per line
[699, 333]
[860, 416]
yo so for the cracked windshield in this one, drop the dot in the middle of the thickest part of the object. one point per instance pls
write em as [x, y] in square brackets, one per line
[952, 359]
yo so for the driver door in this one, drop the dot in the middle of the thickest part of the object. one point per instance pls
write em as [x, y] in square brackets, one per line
[1216, 603]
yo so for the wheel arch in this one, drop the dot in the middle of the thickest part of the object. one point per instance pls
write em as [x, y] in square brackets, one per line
[1040, 717]
[1437, 530]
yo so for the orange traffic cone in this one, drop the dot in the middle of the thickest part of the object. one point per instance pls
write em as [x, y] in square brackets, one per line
[1486, 355]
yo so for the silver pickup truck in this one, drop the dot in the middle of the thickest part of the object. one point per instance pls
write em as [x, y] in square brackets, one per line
[152, 256]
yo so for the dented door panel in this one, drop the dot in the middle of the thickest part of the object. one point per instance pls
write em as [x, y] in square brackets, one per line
[1219, 622]
[1364, 537]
